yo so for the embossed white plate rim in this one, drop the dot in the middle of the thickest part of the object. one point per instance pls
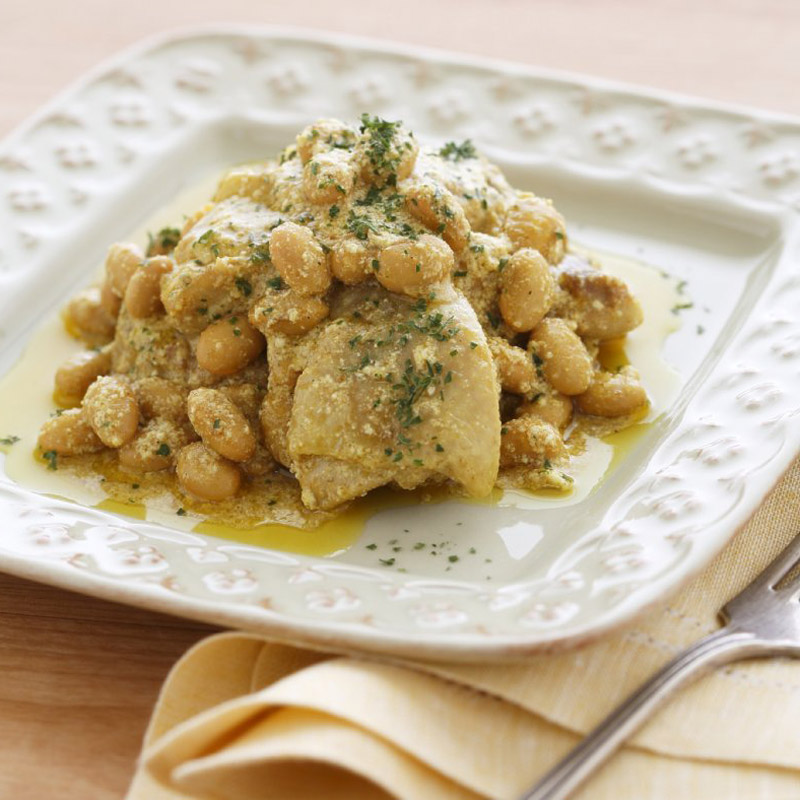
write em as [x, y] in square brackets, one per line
[454, 643]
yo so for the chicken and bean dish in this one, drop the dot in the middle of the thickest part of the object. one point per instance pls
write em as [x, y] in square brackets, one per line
[361, 311]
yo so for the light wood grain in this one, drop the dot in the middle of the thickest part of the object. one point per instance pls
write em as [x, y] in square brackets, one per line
[79, 676]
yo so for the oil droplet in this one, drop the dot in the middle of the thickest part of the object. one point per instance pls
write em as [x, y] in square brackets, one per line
[134, 510]
[343, 531]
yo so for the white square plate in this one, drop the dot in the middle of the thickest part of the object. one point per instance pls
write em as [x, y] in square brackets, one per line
[708, 192]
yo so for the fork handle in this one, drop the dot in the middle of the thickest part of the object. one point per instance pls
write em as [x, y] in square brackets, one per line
[714, 650]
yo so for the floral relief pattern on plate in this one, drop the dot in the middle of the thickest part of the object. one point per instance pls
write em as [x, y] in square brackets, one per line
[729, 438]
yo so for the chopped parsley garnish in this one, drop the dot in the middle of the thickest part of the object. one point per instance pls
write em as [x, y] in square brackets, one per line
[217, 424]
[380, 141]
[333, 211]
[387, 562]
[260, 254]
[163, 449]
[502, 264]
[164, 240]
[275, 283]
[458, 152]
[51, 457]
[206, 237]
[9, 440]
[365, 362]
[181, 512]
[359, 225]
[411, 386]
[244, 286]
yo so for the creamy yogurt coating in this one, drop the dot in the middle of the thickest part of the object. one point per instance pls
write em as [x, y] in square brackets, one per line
[357, 312]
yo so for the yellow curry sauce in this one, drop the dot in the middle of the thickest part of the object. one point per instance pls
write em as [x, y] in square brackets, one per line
[383, 332]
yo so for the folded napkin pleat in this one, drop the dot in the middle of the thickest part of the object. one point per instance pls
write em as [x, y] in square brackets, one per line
[241, 718]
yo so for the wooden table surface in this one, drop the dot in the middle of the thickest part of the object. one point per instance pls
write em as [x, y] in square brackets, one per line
[79, 676]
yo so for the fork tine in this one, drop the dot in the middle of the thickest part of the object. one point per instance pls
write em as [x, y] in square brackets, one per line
[782, 564]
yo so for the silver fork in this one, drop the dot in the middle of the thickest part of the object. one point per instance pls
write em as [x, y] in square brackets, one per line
[762, 620]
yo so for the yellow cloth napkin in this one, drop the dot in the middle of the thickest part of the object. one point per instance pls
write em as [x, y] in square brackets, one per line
[241, 718]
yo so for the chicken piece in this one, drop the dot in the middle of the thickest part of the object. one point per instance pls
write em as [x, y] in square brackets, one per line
[478, 186]
[236, 226]
[393, 390]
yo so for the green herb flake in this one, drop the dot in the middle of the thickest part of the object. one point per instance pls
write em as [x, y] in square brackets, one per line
[380, 138]
[360, 226]
[163, 449]
[244, 286]
[458, 152]
[9, 440]
[181, 512]
[51, 457]
[217, 424]
[261, 254]
[333, 211]
[387, 562]
[372, 546]
[164, 240]
[276, 283]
